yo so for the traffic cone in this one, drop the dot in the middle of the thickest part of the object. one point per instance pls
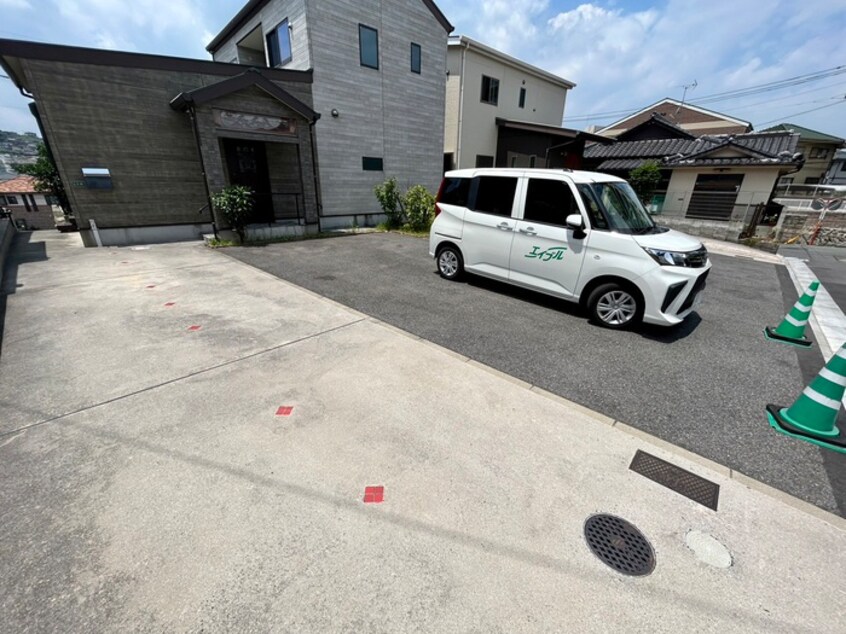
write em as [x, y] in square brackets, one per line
[792, 328]
[813, 417]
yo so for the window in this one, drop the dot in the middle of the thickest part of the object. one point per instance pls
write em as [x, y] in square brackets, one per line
[483, 160]
[532, 160]
[371, 164]
[490, 90]
[549, 201]
[495, 195]
[12, 200]
[279, 45]
[522, 102]
[818, 152]
[597, 220]
[368, 46]
[785, 180]
[416, 54]
[455, 191]
[812, 180]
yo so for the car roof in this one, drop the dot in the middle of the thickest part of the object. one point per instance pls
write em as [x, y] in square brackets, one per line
[578, 176]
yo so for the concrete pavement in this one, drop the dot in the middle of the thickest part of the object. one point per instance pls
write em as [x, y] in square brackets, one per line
[149, 484]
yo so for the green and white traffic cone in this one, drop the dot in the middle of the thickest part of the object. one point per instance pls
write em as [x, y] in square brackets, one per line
[813, 417]
[792, 328]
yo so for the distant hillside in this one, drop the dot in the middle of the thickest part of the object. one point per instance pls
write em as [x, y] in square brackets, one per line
[16, 148]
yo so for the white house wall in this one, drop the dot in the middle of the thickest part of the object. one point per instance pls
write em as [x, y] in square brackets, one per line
[544, 103]
[756, 188]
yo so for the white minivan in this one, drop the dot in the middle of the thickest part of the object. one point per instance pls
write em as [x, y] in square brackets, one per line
[581, 236]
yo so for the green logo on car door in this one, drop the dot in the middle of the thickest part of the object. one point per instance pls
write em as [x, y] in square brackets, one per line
[552, 253]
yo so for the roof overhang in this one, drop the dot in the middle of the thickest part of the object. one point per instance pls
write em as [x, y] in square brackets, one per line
[252, 77]
[251, 9]
[551, 130]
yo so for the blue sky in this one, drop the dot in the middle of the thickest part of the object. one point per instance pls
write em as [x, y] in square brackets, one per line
[623, 54]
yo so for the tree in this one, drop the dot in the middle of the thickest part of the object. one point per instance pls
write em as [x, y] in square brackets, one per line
[645, 179]
[47, 179]
[235, 204]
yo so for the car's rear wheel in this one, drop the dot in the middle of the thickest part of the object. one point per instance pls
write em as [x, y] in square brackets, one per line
[450, 263]
[614, 306]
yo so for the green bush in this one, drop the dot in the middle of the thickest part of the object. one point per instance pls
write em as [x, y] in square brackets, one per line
[419, 207]
[413, 210]
[644, 180]
[390, 199]
[235, 204]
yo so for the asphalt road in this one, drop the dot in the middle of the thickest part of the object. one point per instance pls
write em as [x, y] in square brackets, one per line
[829, 265]
[702, 386]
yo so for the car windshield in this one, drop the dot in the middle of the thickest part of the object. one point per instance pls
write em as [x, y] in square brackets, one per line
[624, 211]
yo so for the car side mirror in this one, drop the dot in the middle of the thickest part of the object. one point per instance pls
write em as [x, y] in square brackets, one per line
[575, 223]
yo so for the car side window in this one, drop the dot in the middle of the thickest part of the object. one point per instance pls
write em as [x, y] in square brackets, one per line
[456, 191]
[495, 194]
[597, 219]
[549, 201]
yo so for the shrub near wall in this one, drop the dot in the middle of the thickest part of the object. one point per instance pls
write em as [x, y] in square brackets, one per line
[414, 210]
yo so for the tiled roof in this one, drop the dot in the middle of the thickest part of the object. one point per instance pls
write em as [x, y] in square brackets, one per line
[18, 185]
[760, 148]
[620, 164]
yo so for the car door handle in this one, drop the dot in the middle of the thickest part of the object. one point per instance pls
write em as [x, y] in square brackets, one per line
[529, 231]
[505, 226]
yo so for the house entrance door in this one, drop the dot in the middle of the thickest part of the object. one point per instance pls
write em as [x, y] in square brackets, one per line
[247, 165]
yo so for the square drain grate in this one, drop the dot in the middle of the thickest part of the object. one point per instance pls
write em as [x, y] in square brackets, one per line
[679, 480]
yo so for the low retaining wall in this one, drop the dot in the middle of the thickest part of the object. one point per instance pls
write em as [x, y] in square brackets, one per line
[794, 223]
[7, 233]
[718, 230]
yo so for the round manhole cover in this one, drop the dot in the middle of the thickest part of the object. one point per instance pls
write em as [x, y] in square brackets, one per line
[619, 545]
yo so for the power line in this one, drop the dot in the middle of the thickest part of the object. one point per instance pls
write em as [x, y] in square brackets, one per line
[796, 114]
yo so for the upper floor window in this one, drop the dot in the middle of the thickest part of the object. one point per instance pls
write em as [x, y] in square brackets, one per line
[279, 45]
[522, 101]
[818, 152]
[368, 45]
[490, 90]
[416, 54]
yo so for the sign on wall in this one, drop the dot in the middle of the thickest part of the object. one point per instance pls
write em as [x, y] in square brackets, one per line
[248, 122]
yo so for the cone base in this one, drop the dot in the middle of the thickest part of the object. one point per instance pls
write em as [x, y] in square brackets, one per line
[770, 334]
[778, 423]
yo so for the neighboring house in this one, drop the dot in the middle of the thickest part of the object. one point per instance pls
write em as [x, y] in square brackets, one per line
[502, 112]
[693, 119]
[28, 207]
[818, 149]
[836, 174]
[378, 80]
[714, 185]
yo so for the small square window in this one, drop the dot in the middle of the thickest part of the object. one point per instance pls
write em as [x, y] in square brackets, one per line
[522, 102]
[13, 200]
[490, 90]
[371, 164]
[416, 54]
[368, 46]
[279, 45]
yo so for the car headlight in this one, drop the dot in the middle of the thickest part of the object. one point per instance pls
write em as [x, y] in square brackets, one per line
[667, 258]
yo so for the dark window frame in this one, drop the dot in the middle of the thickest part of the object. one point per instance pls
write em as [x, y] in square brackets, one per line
[488, 162]
[361, 29]
[491, 95]
[521, 102]
[12, 200]
[369, 164]
[273, 33]
[419, 49]
[475, 188]
[544, 182]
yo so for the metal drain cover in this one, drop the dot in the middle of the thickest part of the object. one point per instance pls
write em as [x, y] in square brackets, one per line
[620, 545]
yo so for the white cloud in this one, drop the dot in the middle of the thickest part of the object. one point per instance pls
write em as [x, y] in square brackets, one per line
[15, 4]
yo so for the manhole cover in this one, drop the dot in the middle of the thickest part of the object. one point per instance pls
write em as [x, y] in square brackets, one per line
[619, 545]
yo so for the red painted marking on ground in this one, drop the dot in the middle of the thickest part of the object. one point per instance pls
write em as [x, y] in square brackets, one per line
[284, 410]
[169, 304]
[194, 328]
[151, 286]
[124, 262]
[374, 495]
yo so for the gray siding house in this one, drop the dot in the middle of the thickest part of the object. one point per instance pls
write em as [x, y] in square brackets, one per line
[379, 72]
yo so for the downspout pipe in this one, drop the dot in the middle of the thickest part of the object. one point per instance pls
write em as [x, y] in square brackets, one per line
[193, 116]
[317, 196]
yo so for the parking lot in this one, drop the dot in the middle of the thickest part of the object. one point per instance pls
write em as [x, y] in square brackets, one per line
[702, 386]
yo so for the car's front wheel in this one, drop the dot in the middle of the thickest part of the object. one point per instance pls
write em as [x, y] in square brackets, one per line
[450, 263]
[614, 306]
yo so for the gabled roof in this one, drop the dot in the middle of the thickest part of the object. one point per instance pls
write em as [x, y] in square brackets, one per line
[18, 185]
[806, 133]
[249, 10]
[502, 58]
[755, 149]
[659, 120]
[251, 77]
[678, 104]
